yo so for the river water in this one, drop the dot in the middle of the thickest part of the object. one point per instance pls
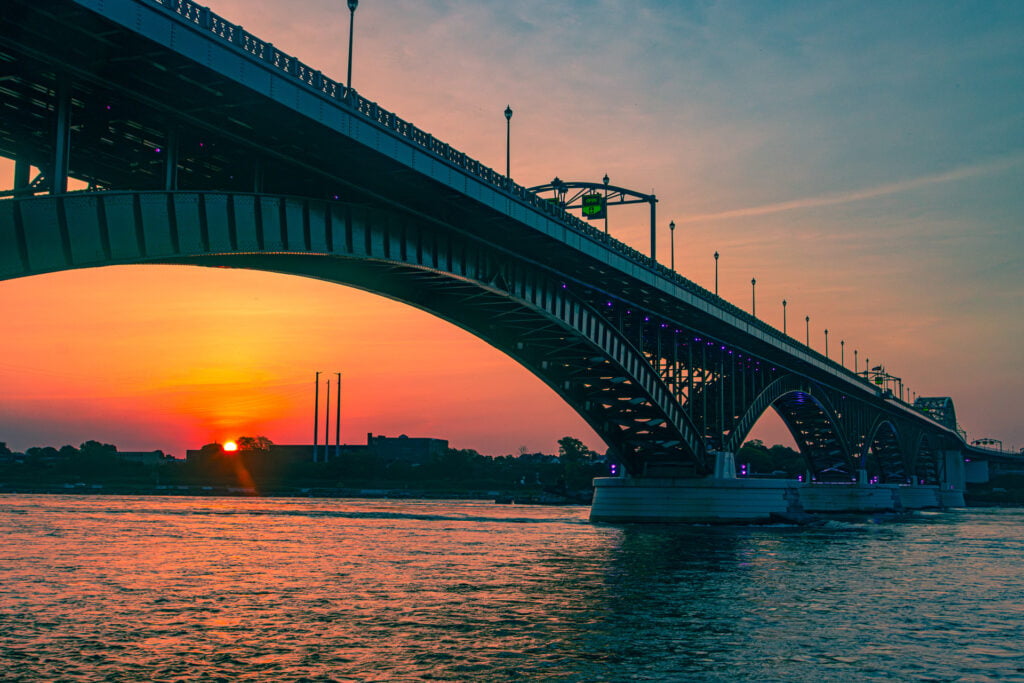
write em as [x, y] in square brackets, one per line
[182, 589]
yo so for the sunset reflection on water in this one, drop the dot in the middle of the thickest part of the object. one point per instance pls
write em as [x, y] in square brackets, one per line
[284, 589]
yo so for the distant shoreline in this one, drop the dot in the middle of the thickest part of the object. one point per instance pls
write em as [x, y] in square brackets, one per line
[976, 500]
[521, 498]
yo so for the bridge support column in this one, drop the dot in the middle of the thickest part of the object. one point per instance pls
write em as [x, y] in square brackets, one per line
[257, 177]
[725, 465]
[22, 169]
[862, 477]
[62, 138]
[171, 161]
[954, 479]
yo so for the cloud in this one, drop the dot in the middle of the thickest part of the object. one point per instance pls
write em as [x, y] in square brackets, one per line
[985, 168]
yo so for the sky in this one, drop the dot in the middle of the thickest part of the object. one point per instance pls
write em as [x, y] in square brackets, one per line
[863, 161]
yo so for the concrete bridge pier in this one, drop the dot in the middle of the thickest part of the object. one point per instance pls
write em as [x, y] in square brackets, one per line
[721, 497]
[951, 491]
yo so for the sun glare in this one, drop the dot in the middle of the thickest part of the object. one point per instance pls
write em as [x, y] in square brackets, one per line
[230, 446]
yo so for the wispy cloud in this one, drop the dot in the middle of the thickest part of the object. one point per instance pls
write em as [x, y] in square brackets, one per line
[986, 168]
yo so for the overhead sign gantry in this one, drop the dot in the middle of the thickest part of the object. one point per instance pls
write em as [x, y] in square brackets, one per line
[595, 198]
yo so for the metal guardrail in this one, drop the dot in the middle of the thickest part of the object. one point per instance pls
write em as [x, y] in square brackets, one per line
[208, 20]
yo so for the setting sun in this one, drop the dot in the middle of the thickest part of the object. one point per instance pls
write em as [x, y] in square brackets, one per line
[230, 446]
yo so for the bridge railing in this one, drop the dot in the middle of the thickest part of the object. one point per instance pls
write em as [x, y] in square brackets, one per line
[204, 18]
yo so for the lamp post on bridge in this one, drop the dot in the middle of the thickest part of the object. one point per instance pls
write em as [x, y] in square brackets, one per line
[352, 4]
[807, 323]
[783, 316]
[716, 273]
[508, 141]
[842, 352]
[753, 296]
[826, 344]
[672, 243]
[855, 366]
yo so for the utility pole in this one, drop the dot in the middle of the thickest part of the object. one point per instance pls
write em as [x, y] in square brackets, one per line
[327, 422]
[316, 414]
[337, 421]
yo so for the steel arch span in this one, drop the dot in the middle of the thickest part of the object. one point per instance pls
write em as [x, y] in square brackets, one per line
[807, 412]
[518, 307]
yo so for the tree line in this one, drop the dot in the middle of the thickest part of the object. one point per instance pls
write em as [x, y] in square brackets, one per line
[572, 469]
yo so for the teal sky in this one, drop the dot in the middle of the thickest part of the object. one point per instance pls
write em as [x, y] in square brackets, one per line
[862, 160]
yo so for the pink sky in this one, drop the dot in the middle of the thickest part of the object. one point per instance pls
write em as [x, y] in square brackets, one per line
[863, 163]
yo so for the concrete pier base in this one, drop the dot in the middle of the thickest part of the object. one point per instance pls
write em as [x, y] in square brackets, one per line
[622, 499]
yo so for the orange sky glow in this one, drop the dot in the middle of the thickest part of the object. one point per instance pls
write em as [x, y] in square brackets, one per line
[850, 175]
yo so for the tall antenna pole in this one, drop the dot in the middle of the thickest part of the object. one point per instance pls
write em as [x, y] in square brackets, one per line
[337, 421]
[327, 422]
[316, 414]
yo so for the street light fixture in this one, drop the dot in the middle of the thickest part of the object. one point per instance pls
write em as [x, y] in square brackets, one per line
[716, 273]
[807, 323]
[508, 141]
[842, 352]
[826, 344]
[783, 316]
[352, 4]
[753, 296]
[672, 241]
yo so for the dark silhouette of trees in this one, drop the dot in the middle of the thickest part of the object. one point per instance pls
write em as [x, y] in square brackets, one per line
[254, 443]
[778, 460]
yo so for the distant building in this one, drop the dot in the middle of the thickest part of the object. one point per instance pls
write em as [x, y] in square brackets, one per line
[148, 458]
[389, 449]
[406, 449]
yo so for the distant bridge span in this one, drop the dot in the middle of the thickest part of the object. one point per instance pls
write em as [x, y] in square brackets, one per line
[204, 145]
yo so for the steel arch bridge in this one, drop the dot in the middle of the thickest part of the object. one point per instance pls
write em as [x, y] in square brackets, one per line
[661, 393]
[204, 145]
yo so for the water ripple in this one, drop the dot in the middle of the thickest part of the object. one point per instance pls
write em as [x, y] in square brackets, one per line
[180, 589]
